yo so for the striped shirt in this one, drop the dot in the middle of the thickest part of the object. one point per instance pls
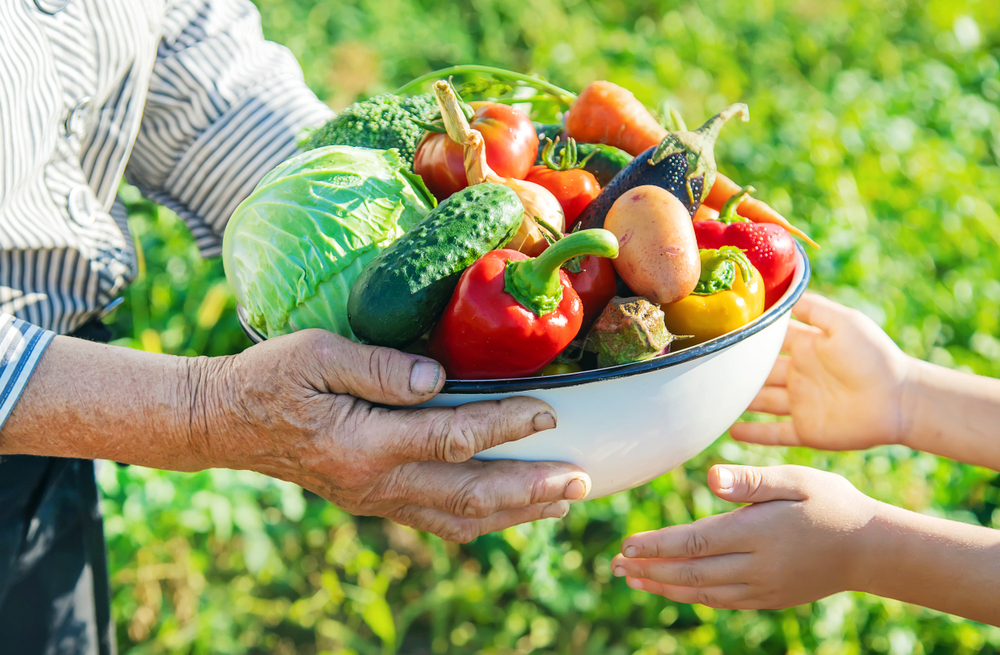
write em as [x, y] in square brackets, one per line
[184, 98]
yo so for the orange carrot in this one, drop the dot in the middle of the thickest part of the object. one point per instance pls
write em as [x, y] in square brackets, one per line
[705, 213]
[756, 210]
[607, 113]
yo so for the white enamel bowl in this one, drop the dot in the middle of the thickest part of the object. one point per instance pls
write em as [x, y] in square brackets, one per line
[625, 425]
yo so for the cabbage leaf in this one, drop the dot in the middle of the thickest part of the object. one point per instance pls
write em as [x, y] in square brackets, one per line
[294, 247]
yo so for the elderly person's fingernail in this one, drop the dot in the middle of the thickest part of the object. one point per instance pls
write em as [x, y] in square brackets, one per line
[575, 490]
[556, 510]
[424, 377]
[630, 551]
[543, 421]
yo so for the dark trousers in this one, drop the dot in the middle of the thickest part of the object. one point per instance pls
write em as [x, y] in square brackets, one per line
[53, 567]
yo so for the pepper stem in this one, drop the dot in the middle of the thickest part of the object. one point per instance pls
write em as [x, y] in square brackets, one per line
[718, 270]
[728, 213]
[536, 283]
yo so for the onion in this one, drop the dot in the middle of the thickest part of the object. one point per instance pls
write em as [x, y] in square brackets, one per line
[537, 200]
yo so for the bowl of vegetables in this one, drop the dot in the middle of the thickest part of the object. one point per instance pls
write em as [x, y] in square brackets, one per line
[645, 298]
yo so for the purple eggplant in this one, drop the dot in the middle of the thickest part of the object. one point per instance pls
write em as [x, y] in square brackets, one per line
[683, 163]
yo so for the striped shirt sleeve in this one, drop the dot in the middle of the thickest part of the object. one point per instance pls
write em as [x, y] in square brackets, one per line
[21, 347]
[224, 107]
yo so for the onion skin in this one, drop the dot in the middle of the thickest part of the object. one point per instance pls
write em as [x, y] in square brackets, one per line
[537, 200]
[658, 254]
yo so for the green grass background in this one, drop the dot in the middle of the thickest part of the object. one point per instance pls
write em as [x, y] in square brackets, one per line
[875, 126]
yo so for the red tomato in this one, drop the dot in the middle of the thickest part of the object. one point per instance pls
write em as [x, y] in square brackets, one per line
[511, 148]
[595, 284]
[574, 188]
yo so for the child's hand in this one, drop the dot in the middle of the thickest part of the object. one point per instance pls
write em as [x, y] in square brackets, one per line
[842, 383]
[803, 539]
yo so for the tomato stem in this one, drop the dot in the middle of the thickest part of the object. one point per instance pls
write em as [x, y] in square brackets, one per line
[568, 156]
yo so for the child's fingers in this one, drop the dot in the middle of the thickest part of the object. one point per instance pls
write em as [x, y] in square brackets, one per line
[772, 433]
[751, 484]
[778, 377]
[697, 572]
[712, 535]
[772, 400]
[724, 597]
[819, 311]
[797, 333]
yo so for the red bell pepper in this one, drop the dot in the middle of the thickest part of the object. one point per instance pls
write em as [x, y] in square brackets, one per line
[593, 278]
[511, 314]
[769, 247]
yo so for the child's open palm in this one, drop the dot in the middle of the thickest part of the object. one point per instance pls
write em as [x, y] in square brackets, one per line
[842, 381]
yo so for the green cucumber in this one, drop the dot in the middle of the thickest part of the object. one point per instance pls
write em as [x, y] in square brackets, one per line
[404, 290]
[547, 130]
[606, 162]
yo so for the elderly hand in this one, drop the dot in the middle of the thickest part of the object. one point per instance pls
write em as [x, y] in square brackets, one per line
[319, 410]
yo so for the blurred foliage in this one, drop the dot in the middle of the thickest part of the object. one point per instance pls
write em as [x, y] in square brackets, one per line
[875, 126]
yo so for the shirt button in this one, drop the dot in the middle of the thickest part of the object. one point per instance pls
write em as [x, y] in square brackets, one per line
[51, 6]
[76, 119]
[81, 207]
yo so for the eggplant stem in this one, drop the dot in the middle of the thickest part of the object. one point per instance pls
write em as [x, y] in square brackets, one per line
[713, 125]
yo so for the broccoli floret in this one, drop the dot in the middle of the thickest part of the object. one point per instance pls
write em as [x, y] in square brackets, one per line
[382, 122]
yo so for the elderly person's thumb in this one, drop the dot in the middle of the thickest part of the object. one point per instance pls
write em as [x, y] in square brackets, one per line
[753, 484]
[376, 374]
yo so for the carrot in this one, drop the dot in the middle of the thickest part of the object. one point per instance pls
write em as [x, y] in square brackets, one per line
[756, 210]
[705, 213]
[607, 113]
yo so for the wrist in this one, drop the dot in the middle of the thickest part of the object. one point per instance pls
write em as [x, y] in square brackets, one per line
[210, 410]
[910, 399]
[870, 547]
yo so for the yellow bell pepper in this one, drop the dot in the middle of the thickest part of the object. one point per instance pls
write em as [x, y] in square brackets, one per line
[729, 295]
[558, 368]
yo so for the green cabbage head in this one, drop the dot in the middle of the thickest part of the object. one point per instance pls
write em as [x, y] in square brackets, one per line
[293, 248]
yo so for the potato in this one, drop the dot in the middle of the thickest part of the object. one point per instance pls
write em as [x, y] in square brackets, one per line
[658, 253]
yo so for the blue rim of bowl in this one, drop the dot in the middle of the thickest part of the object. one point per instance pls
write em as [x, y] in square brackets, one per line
[518, 385]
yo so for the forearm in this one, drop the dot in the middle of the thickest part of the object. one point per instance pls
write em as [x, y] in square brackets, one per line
[952, 414]
[945, 565]
[94, 401]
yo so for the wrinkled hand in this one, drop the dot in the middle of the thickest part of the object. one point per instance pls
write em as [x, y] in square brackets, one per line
[313, 408]
[842, 382]
[803, 538]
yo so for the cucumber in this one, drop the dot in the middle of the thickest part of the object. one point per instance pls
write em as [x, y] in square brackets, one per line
[550, 130]
[404, 290]
[607, 161]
